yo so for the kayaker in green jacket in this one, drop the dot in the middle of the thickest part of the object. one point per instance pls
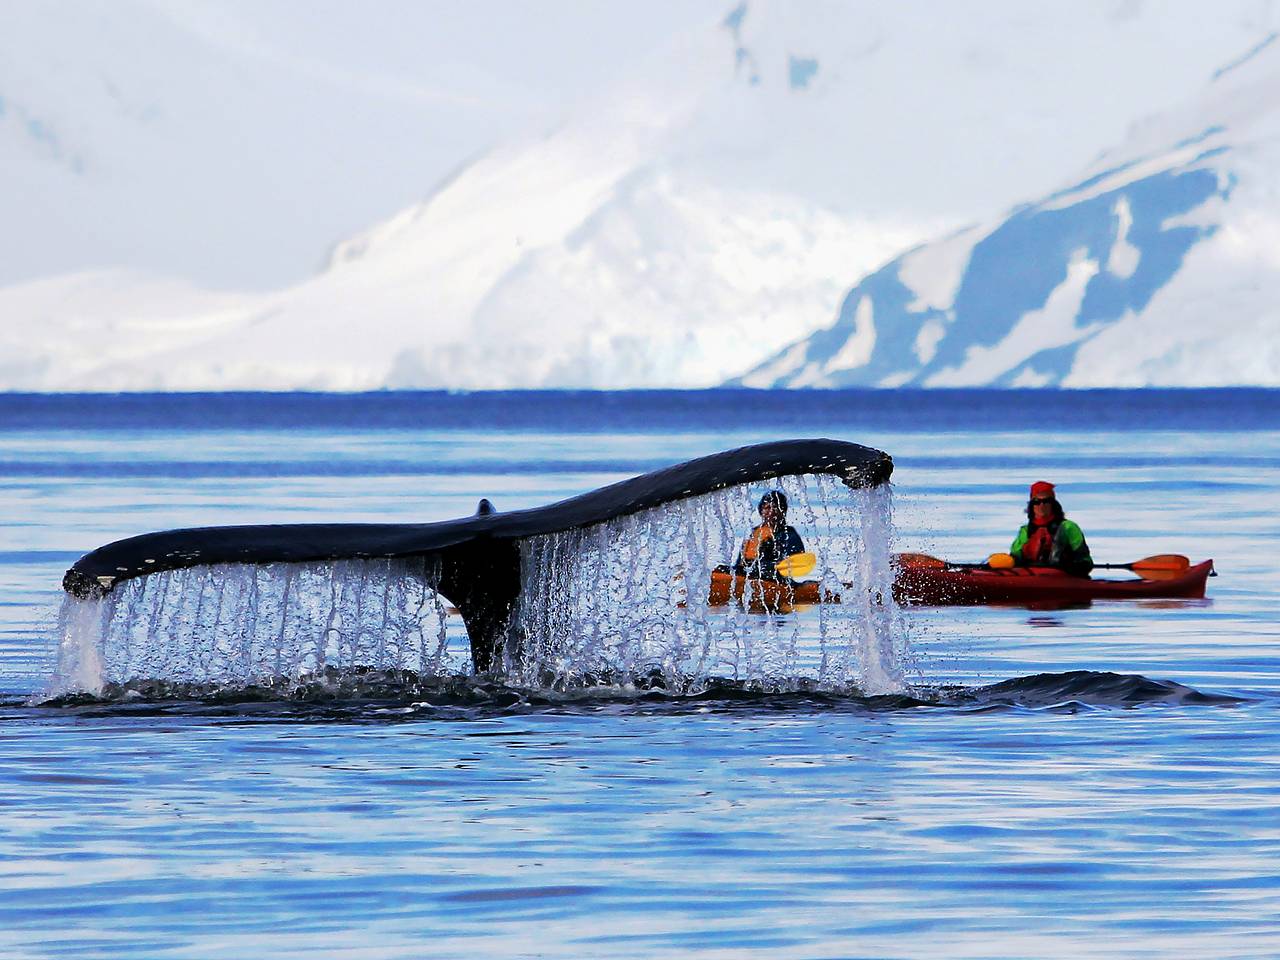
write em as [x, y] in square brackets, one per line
[1049, 539]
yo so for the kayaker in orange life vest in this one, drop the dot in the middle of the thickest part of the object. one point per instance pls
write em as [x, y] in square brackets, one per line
[1049, 539]
[770, 542]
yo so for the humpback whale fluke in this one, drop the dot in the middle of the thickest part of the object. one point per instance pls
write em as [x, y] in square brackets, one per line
[476, 559]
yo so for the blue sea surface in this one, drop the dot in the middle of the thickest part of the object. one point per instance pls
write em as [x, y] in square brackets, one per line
[1101, 781]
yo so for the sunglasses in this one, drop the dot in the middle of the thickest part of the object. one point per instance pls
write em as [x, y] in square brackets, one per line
[1035, 500]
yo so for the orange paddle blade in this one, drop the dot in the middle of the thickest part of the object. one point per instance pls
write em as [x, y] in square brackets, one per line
[1162, 562]
[1159, 574]
[918, 560]
[1163, 566]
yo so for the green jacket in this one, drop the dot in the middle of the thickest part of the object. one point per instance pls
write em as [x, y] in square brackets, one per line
[1069, 551]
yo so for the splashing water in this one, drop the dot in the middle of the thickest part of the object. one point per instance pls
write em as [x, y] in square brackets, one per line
[626, 598]
[610, 604]
[238, 624]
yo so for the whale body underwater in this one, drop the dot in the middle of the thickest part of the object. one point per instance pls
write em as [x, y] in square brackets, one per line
[473, 562]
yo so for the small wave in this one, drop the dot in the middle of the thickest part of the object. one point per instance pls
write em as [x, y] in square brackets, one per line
[1092, 688]
[383, 695]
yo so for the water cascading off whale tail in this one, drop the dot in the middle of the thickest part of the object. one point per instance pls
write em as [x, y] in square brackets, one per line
[586, 584]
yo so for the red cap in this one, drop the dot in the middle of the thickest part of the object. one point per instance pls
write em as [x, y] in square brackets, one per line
[1042, 489]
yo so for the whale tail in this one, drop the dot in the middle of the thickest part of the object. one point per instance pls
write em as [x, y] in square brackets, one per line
[474, 562]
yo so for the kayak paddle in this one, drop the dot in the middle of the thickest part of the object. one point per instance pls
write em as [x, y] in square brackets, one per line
[796, 565]
[933, 563]
[918, 560]
[1162, 566]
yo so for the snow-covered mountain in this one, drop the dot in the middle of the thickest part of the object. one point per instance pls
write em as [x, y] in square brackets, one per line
[1160, 267]
[682, 228]
[233, 142]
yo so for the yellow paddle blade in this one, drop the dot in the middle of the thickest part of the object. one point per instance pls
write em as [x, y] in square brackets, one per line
[796, 565]
[1001, 561]
[1163, 563]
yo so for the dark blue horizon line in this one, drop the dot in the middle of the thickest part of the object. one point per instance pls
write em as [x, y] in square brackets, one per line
[718, 409]
[636, 391]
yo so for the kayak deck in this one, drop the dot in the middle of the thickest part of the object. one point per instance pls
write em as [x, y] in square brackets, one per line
[944, 586]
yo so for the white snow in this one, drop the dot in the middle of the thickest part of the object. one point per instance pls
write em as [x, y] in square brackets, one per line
[679, 227]
[811, 376]
[927, 340]
[1053, 325]
[934, 271]
[1124, 256]
[895, 379]
[857, 350]
[1214, 323]
[231, 143]
[784, 366]
[1029, 377]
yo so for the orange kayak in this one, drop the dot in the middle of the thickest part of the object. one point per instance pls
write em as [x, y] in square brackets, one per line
[765, 594]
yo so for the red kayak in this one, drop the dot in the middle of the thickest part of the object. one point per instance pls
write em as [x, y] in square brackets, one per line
[955, 586]
[942, 586]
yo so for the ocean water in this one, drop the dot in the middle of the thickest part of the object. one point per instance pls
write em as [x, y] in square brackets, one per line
[1098, 781]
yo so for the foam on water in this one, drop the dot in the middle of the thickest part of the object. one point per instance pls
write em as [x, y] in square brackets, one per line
[614, 604]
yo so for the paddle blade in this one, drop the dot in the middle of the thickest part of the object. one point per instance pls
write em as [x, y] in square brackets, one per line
[1164, 566]
[1001, 561]
[918, 560]
[1159, 574]
[1162, 563]
[796, 565]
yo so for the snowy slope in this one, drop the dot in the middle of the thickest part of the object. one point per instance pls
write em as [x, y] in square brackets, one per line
[1161, 267]
[233, 142]
[129, 140]
[679, 228]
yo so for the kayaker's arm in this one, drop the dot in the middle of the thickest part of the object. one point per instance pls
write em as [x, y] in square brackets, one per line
[1073, 549]
[1015, 550]
[765, 548]
[751, 545]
